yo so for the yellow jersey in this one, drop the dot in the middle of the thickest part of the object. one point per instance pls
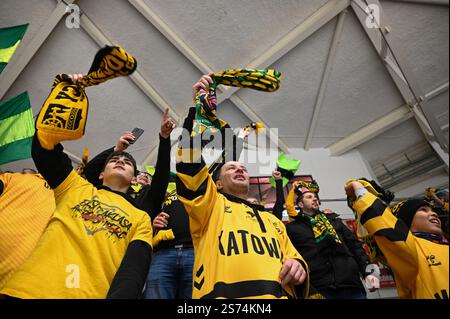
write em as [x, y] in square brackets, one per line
[239, 252]
[420, 266]
[83, 245]
[26, 205]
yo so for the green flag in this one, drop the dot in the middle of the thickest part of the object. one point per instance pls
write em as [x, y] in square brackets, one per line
[287, 167]
[16, 128]
[10, 39]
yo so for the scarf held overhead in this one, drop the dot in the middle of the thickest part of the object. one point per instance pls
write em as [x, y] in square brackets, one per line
[64, 114]
[206, 102]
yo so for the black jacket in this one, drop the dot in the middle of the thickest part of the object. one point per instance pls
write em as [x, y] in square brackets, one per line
[331, 265]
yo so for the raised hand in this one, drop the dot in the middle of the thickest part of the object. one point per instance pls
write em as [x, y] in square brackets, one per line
[204, 83]
[167, 125]
[276, 175]
[124, 141]
[76, 78]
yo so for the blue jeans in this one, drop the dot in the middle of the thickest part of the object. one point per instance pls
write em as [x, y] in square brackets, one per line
[170, 274]
[344, 293]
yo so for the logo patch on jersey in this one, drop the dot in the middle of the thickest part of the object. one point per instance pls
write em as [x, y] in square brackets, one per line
[277, 227]
[100, 217]
[251, 215]
[432, 261]
[228, 209]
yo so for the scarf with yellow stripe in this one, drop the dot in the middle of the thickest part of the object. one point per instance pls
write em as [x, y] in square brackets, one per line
[206, 102]
[64, 114]
[319, 223]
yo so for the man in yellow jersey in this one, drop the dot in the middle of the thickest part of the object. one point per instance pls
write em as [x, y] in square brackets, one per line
[410, 237]
[98, 243]
[240, 251]
[26, 205]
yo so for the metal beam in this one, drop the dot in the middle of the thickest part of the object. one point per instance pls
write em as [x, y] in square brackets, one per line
[296, 36]
[325, 78]
[371, 130]
[28, 48]
[287, 43]
[381, 125]
[437, 91]
[429, 2]
[408, 86]
[101, 39]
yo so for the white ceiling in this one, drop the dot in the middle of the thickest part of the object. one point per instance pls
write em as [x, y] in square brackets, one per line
[184, 38]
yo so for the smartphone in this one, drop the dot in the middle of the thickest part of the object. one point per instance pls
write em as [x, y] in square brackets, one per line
[137, 132]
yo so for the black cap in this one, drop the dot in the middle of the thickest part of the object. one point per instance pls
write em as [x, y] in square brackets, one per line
[405, 210]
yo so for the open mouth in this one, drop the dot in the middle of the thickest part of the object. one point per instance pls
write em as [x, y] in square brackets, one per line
[240, 178]
[435, 221]
[119, 167]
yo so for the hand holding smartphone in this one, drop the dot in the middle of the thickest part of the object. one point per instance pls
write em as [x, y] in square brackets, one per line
[137, 132]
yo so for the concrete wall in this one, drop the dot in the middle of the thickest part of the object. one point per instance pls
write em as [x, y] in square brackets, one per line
[330, 172]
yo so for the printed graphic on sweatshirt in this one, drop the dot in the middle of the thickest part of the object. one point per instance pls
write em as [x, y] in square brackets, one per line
[99, 217]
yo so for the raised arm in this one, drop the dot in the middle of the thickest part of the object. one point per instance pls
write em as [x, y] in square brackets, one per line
[152, 198]
[391, 235]
[195, 187]
[279, 203]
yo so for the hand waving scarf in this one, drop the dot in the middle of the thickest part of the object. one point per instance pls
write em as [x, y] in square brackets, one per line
[64, 113]
[206, 102]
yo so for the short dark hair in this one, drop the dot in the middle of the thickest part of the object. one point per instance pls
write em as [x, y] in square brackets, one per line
[300, 196]
[217, 171]
[124, 154]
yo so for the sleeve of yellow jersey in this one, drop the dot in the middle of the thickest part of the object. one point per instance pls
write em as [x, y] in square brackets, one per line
[144, 230]
[391, 235]
[197, 191]
[73, 180]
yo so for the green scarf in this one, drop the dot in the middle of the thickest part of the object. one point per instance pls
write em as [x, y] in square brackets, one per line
[206, 102]
[321, 227]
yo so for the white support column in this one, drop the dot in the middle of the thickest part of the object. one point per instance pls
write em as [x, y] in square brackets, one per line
[29, 48]
[325, 78]
[381, 125]
[437, 91]
[429, 2]
[371, 130]
[101, 39]
[410, 90]
[322, 16]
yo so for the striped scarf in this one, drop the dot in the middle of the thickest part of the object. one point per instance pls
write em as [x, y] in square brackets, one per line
[321, 227]
[64, 114]
[206, 102]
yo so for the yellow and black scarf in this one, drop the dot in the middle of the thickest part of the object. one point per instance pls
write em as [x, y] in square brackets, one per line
[64, 114]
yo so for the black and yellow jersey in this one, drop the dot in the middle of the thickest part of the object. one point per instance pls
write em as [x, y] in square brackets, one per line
[239, 251]
[420, 266]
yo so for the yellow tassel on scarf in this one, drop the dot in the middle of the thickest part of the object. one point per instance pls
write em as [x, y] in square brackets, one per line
[64, 114]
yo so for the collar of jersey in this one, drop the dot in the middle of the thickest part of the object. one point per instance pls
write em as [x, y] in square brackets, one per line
[124, 195]
[243, 201]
